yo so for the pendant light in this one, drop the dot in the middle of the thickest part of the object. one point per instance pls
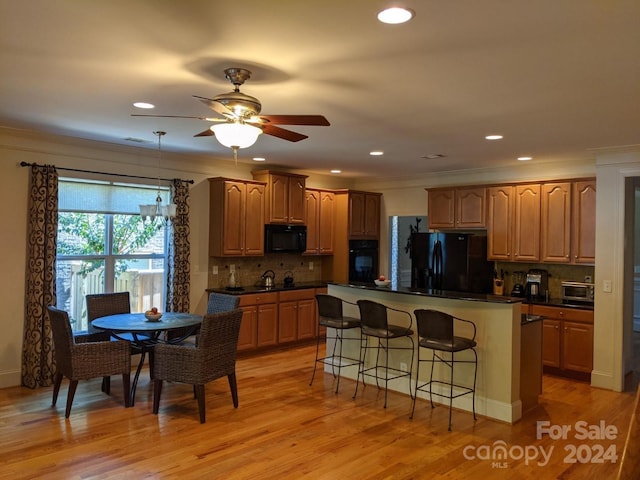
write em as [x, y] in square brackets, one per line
[158, 210]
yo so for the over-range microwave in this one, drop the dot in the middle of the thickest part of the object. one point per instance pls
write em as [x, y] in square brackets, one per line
[285, 238]
[577, 292]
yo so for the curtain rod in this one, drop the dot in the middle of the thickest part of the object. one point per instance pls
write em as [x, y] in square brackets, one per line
[25, 164]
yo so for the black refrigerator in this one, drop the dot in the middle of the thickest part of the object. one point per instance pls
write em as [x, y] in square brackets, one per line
[451, 261]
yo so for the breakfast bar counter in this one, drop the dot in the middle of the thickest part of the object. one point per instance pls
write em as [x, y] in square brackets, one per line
[498, 322]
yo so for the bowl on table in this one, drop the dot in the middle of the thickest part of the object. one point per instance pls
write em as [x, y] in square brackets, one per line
[382, 283]
[153, 317]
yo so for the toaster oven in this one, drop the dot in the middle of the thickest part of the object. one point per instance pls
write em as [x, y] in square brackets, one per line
[577, 292]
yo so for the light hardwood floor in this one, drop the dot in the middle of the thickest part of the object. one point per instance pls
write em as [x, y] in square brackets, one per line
[284, 429]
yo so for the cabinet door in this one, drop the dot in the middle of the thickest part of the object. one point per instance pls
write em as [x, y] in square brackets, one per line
[555, 224]
[500, 223]
[254, 220]
[470, 207]
[551, 343]
[577, 345]
[307, 327]
[267, 325]
[312, 203]
[583, 237]
[372, 215]
[325, 224]
[248, 338]
[287, 321]
[278, 198]
[233, 218]
[526, 235]
[296, 207]
[356, 214]
[441, 208]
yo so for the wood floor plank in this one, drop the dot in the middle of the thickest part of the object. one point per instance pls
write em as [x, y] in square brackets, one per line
[284, 429]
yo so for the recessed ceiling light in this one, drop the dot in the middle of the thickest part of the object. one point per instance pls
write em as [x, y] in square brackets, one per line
[335, 170]
[524, 159]
[493, 137]
[144, 105]
[376, 153]
[259, 159]
[395, 15]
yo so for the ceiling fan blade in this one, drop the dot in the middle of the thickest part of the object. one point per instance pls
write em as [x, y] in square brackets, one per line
[207, 119]
[282, 133]
[206, 133]
[216, 106]
[315, 120]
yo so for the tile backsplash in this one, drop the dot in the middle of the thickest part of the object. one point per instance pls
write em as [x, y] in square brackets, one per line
[249, 270]
[557, 274]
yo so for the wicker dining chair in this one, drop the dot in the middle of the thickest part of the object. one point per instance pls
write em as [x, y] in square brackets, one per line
[103, 304]
[218, 303]
[213, 357]
[79, 360]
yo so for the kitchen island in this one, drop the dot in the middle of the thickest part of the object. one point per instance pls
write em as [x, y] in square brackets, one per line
[498, 322]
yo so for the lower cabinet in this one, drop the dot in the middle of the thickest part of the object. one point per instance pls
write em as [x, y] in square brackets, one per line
[276, 318]
[296, 315]
[259, 327]
[567, 340]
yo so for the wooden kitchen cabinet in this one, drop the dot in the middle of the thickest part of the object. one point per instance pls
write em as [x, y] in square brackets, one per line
[320, 208]
[583, 234]
[568, 222]
[259, 327]
[364, 215]
[457, 207]
[514, 223]
[236, 217]
[567, 340]
[297, 315]
[285, 196]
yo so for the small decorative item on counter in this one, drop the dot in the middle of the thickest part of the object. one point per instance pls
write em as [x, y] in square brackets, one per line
[382, 281]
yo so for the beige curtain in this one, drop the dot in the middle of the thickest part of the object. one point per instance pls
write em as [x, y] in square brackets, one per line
[42, 227]
[178, 271]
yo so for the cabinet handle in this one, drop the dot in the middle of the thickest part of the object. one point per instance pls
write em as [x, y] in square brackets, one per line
[556, 327]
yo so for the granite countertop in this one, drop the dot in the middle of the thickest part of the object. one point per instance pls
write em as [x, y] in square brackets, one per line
[557, 302]
[279, 287]
[476, 297]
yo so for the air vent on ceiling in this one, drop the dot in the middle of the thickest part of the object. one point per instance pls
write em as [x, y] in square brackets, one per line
[432, 156]
[135, 140]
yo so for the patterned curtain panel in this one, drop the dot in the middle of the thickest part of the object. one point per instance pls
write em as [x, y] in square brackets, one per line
[37, 351]
[178, 269]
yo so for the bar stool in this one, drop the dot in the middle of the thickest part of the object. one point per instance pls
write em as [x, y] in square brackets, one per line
[330, 316]
[374, 324]
[436, 332]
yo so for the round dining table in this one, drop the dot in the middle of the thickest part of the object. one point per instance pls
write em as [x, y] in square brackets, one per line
[144, 333]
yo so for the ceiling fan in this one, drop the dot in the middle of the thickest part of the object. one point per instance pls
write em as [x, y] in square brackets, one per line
[241, 122]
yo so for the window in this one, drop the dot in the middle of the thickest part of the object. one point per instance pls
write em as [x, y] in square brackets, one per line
[103, 246]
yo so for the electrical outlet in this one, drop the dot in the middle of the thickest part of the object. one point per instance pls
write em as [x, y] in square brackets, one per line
[606, 286]
[232, 268]
[403, 367]
[214, 270]
[310, 265]
[587, 278]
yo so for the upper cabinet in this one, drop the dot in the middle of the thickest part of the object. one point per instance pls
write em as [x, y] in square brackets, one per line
[364, 215]
[514, 223]
[568, 222]
[320, 213]
[285, 196]
[236, 217]
[457, 207]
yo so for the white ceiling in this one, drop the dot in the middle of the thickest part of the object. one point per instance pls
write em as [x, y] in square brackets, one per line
[557, 78]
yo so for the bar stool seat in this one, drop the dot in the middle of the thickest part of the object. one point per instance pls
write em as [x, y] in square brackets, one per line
[374, 324]
[436, 332]
[330, 316]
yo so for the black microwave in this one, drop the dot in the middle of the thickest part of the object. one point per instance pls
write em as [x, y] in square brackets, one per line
[285, 238]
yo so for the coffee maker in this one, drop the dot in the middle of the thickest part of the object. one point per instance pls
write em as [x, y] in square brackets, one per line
[537, 284]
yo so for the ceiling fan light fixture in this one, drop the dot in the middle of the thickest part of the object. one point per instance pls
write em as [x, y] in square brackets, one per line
[236, 135]
[395, 15]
